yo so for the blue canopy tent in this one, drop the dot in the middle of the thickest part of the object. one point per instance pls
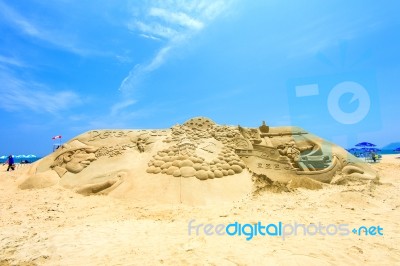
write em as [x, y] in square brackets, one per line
[368, 151]
[365, 144]
[354, 151]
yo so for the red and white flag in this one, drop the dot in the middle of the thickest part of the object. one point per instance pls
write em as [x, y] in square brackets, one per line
[56, 137]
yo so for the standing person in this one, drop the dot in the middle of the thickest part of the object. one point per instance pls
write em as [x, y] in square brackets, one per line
[10, 162]
[373, 155]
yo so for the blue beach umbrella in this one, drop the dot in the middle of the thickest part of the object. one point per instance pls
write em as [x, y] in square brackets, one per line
[365, 144]
[353, 150]
[371, 149]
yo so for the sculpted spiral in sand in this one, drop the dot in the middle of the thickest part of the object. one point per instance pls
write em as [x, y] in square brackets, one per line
[197, 160]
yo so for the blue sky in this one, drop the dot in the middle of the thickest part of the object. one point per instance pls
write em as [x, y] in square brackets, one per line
[70, 66]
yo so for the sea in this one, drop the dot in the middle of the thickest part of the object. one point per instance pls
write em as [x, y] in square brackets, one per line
[387, 152]
[19, 160]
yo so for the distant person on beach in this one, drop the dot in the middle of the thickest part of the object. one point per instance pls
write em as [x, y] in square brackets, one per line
[10, 162]
[374, 156]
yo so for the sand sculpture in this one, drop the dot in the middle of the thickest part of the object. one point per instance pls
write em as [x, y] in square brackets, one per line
[101, 161]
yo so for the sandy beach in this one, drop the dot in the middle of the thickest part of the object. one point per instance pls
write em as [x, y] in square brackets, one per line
[55, 226]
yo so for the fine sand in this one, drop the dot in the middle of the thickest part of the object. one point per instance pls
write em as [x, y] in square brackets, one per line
[56, 226]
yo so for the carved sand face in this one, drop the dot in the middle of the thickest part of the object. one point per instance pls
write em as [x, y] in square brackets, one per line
[79, 161]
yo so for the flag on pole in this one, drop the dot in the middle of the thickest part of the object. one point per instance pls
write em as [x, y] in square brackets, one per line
[56, 137]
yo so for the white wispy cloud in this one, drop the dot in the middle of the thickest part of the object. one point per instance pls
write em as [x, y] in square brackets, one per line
[124, 59]
[155, 29]
[116, 108]
[139, 71]
[18, 20]
[150, 37]
[174, 22]
[31, 28]
[10, 61]
[19, 95]
[178, 18]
